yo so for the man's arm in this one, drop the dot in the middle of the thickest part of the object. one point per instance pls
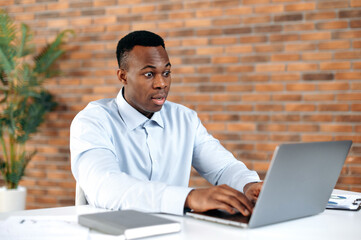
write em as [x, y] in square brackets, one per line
[231, 176]
[96, 168]
[107, 187]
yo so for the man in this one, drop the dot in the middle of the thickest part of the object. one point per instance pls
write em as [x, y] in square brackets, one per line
[136, 150]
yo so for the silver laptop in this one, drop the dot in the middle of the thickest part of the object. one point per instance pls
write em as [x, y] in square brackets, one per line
[299, 183]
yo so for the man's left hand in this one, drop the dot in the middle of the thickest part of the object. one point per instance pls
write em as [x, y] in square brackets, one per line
[252, 191]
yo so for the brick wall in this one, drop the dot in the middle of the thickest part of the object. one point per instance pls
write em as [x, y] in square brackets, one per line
[258, 72]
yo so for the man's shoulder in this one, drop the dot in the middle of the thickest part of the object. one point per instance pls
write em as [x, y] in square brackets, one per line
[176, 112]
[99, 107]
[178, 108]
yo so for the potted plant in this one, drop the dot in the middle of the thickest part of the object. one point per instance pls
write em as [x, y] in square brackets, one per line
[24, 101]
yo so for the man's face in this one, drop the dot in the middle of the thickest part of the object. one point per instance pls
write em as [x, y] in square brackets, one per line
[147, 79]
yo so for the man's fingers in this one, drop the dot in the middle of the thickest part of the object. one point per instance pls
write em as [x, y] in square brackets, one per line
[236, 199]
[242, 204]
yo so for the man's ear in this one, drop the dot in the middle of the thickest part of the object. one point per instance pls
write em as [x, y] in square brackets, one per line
[122, 76]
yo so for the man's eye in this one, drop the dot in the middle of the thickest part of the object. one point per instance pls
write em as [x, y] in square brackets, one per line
[166, 74]
[148, 74]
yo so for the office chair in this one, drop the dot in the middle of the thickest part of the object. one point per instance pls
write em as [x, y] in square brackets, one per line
[80, 198]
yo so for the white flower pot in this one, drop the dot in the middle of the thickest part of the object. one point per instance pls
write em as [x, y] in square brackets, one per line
[12, 199]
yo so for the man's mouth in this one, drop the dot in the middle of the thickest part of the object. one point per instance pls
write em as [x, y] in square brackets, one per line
[158, 100]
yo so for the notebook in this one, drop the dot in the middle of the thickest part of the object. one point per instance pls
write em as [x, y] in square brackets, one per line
[299, 183]
[129, 223]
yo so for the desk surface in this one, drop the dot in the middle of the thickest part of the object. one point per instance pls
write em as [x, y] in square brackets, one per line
[331, 224]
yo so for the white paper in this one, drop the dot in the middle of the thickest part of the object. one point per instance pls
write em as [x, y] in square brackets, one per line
[343, 201]
[42, 228]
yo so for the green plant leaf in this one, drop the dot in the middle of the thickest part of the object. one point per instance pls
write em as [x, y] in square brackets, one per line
[24, 101]
[24, 47]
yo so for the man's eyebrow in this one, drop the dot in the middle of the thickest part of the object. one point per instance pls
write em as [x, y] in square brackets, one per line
[151, 66]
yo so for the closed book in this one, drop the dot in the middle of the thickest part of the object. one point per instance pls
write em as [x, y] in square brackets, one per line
[130, 223]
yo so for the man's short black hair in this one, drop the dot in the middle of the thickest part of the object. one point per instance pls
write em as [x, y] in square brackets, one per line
[141, 38]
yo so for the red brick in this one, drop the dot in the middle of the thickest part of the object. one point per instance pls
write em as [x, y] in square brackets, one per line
[356, 108]
[317, 118]
[299, 27]
[314, 138]
[195, 42]
[198, 23]
[215, 126]
[269, 87]
[253, 39]
[316, 36]
[209, 50]
[224, 40]
[255, 97]
[239, 88]
[268, 48]
[285, 77]
[332, 25]
[284, 37]
[335, 86]
[226, 97]
[285, 57]
[270, 67]
[320, 15]
[302, 67]
[300, 7]
[266, 146]
[257, 19]
[335, 65]
[300, 47]
[355, 3]
[239, 11]
[356, 86]
[269, 107]
[355, 23]
[243, 127]
[209, 13]
[348, 34]
[243, 68]
[303, 128]
[348, 75]
[300, 87]
[275, 127]
[293, 107]
[349, 97]
[318, 97]
[226, 59]
[254, 78]
[239, 107]
[335, 128]
[340, 44]
[255, 2]
[269, 9]
[332, 4]
[224, 78]
[317, 56]
[348, 55]
[239, 49]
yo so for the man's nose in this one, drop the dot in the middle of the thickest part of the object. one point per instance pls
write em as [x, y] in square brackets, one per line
[160, 82]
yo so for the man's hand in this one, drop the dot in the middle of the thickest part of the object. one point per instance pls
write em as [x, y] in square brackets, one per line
[219, 197]
[252, 190]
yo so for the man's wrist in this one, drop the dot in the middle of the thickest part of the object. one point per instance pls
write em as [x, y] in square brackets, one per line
[248, 185]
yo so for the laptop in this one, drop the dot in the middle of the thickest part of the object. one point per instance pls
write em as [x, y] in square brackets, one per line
[299, 183]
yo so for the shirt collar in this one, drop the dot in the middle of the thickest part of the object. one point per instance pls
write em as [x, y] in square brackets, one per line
[132, 117]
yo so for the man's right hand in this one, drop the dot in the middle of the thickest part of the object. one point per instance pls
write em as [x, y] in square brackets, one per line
[219, 197]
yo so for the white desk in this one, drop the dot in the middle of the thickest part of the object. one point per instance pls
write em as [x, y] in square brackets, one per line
[331, 224]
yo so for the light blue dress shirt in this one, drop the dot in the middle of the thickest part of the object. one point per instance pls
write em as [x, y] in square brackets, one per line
[122, 159]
